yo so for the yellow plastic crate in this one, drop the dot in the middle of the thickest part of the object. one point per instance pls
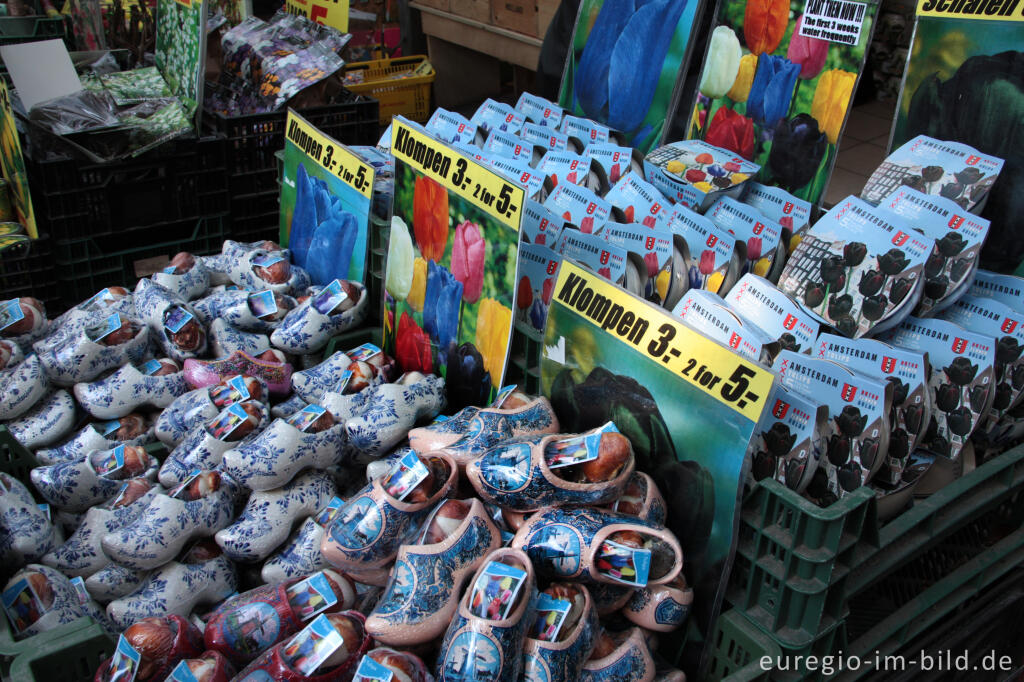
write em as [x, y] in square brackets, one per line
[401, 85]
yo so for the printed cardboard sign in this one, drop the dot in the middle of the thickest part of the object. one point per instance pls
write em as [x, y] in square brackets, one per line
[756, 300]
[333, 13]
[456, 223]
[790, 440]
[181, 52]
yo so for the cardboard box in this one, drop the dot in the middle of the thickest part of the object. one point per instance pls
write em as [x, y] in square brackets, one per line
[437, 4]
[515, 15]
[477, 10]
[545, 13]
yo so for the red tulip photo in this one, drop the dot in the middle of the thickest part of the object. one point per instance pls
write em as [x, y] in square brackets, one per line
[707, 262]
[430, 218]
[412, 346]
[754, 247]
[732, 131]
[524, 295]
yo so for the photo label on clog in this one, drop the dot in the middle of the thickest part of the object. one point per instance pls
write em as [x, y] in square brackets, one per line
[312, 596]
[312, 646]
[325, 515]
[111, 463]
[125, 663]
[181, 492]
[236, 391]
[363, 353]
[10, 312]
[227, 421]
[304, 419]
[550, 615]
[495, 590]
[177, 317]
[47, 511]
[150, 367]
[263, 303]
[266, 260]
[109, 326]
[370, 670]
[170, 270]
[329, 298]
[503, 394]
[104, 296]
[578, 449]
[343, 381]
[22, 605]
[116, 502]
[182, 673]
[106, 428]
[627, 565]
[407, 474]
[83, 594]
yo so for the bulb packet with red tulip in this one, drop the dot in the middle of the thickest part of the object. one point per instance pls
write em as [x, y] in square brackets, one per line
[538, 110]
[704, 253]
[451, 127]
[695, 173]
[575, 169]
[520, 171]
[617, 160]
[650, 254]
[546, 138]
[509, 146]
[587, 131]
[538, 270]
[539, 225]
[579, 206]
[594, 253]
[708, 314]
[761, 238]
[789, 440]
[775, 203]
[639, 201]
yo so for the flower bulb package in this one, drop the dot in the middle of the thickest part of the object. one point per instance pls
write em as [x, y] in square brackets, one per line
[540, 226]
[539, 111]
[639, 201]
[1007, 289]
[588, 132]
[580, 206]
[616, 160]
[538, 269]
[593, 253]
[761, 238]
[709, 315]
[574, 169]
[508, 146]
[790, 439]
[649, 264]
[451, 127]
[703, 255]
[757, 301]
[695, 174]
[492, 115]
[775, 203]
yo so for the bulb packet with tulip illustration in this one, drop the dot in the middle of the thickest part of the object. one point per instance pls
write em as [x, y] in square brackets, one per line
[757, 301]
[545, 137]
[761, 237]
[704, 255]
[580, 206]
[708, 314]
[509, 146]
[616, 160]
[540, 111]
[775, 203]
[593, 253]
[492, 115]
[650, 251]
[540, 226]
[695, 173]
[789, 441]
[639, 201]
[451, 127]
[574, 169]
[538, 270]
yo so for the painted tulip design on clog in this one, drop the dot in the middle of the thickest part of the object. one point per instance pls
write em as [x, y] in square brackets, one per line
[336, 308]
[562, 635]
[311, 384]
[185, 276]
[25, 532]
[529, 473]
[367, 532]
[132, 429]
[597, 546]
[226, 339]
[609, 599]
[46, 422]
[490, 427]
[198, 508]
[270, 367]
[391, 410]
[426, 582]
[310, 438]
[485, 638]
[248, 624]
[23, 382]
[155, 382]
[161, 643]
[268, 516]
[114, 581]
[205, 445]
[662, 608]
[624, 658]
[215, 303]
[82, 555]
[203, 404]
[288, 661]
[105, 345]
[202, 576]
[77, 485]
[300, 555]
[641, 498]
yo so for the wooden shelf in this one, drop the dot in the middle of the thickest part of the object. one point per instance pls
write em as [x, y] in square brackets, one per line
[498, 42]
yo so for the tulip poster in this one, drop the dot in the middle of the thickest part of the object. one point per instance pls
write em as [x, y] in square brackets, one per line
[624, 64]
[964, 82]
[777, 83]
[325, 204]
[450, 277]
[688, 405]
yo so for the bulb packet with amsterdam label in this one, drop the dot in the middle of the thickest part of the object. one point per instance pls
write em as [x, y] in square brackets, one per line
[708, 314]
[580, 206]
[538, 270]
[1007, 289]
[952, 170]
[695, 174]
[540, 226]
[775, 203]
[958, 236]
[789, 440]
[639, 201]
[519, 171]
[757, 301]
[593, 253]
[508, 146]
[575, 169]
[538, 110]
[908, 371]
[648, 259]
[857, 269]
[546, 139]
[859, 409]
[492, 115]
[761, 239]
[585, 130]
[617, 160]
[961, 383]
[703, 255]
[451, 127]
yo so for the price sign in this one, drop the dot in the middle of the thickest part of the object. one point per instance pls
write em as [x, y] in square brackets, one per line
[332, 157]
[333, 13]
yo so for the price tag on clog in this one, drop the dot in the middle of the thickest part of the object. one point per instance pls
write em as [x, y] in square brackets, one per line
[627, 565]
[176, 318]
[370, 670]
[181, 492]
[503, 394]
[409, 473]
[329, 298]
[343, 381]
[308, 650]
[266, 260]
[263, 303]
[304, 419]
[107, 428]
[150, 367]
[83, 594]
[495, 590]
[312, 596]
[109, 326]
[10, 312]
[549, 617]
[125, 663]
[578, 449]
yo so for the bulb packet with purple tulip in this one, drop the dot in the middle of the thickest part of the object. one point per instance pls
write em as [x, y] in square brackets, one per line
[695, 173]
[580, 206]
[761, 237]
[575, 169]
[649, 258]
[508, 146]
[451, 127]
[519, 171]
[708, 314]
[703, 255]
[491, 116]
[775, 203]
[908, 371]
[1008, 289]
[958, 237]
[951, 170]
[962, 381]
[639, 201]
[616, 160]
[858, 269]
[546, 138]
[538, 270]
[859, 409]
[585, 130]
[789, 440]
[758, 302]
[593, 253]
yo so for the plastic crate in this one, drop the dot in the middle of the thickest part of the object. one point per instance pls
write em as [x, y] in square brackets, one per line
[15, 460]
[524, 357]
[798, 566]
[179, 180]
[376, 260]
[85, 266]
[14, 30]
[73, 657]
[738, 648]
[26, 269]
[352, 339]
[401, 85]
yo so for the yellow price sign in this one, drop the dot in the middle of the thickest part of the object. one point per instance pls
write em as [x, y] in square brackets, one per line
[999, 10]
[728, 377]
[333, 13]
[490, 192]
[332, 156]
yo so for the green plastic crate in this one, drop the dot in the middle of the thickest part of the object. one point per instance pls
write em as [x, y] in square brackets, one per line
[797, 565]
[352, 339]
[524, 358]
[73, 657]
[14, 30]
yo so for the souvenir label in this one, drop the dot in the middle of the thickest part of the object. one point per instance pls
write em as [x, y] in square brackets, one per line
[565, 452]
[567, 167]
[539, 110]
[580, 206]
[692, 172]
[120, 496]
[176, 318]
[948, 169]
[111, 463]
[106, 428]
[235, 391]
[304, 419]
[312, 596]
[363, 353]
[22, 605]
[503, 394]
[790, 439]
[170, 270]
[47, 511]
[639, 200]
[343, 381]
[593, 252]
[760, 235]
[587, 131]
[451, 127]
[125, 663]
[370, 670]
[756, 300]
[330, 297]
[263, 303]
[540, 226]
[708, 252]
[182, 673]
[777, 204]
[544, 136]
[308, 650]
[706, 313]
[494, 592]
[550, 615]
[80, 591]
[324, 516]
[627, 565]
[407, 474]
[225, 423]
[1006, 289]
[181, 491]
[266, 260]
[103, 296]
[508, 146]
[496, 116]
[538, 269]
[150, 367]
[109, 326]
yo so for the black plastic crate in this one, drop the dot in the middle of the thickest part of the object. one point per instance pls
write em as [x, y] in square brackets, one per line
[27, 270]
[180, 180]
[85, 266]
[254, 215]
